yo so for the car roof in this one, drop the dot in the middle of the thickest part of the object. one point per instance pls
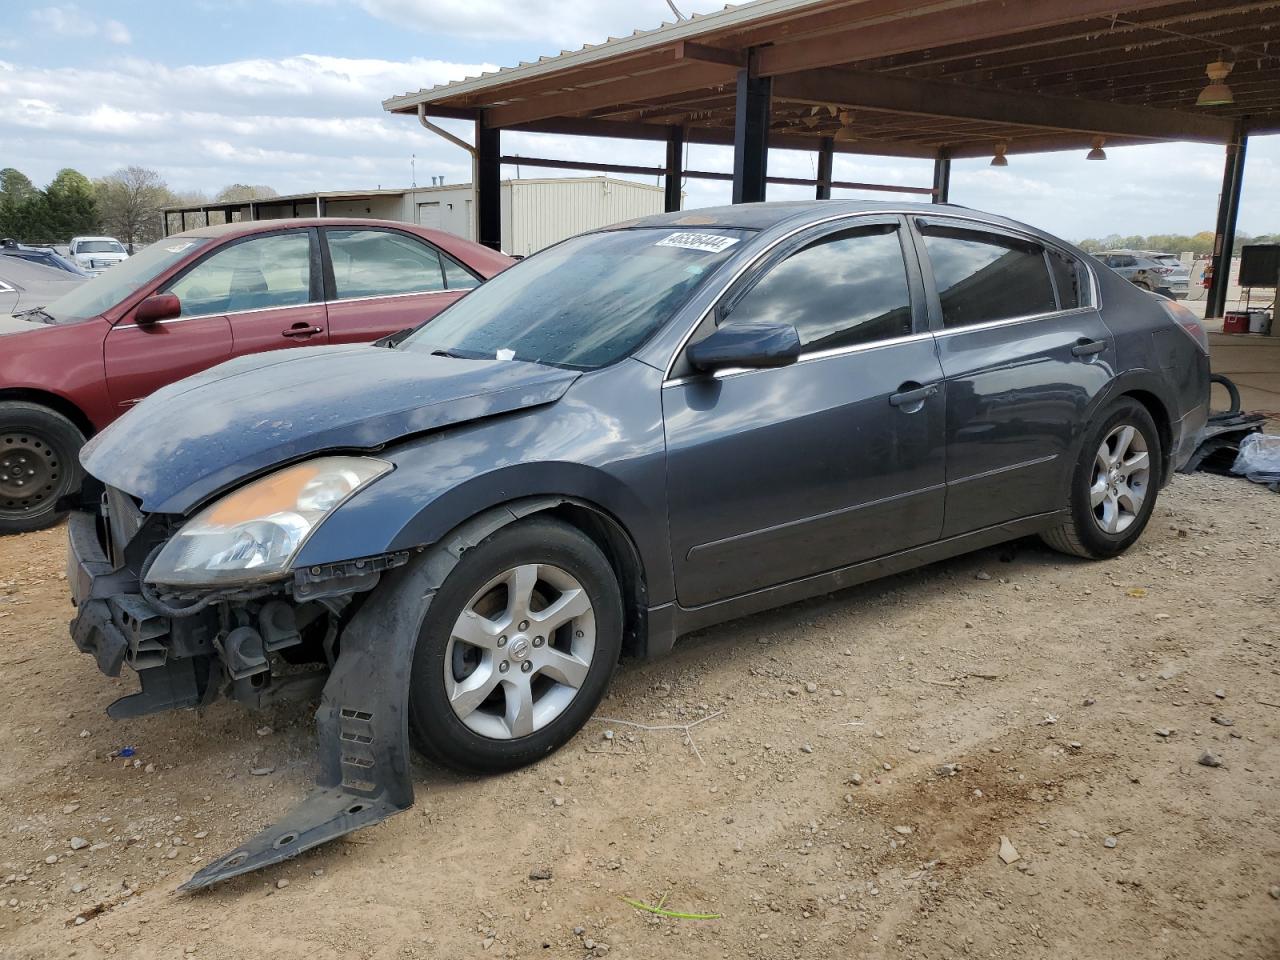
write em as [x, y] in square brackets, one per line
[761, 216]
[488, 262]
[113, 239]
[264, 226]
[21, 271]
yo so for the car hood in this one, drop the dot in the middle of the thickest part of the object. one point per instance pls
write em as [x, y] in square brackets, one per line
[198, 436]
[11, 324]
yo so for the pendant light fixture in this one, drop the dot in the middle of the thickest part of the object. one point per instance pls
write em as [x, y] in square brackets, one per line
[998, 160]
[1216, 93]
[1097, 153]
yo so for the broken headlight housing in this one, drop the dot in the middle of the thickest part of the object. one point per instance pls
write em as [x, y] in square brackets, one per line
[253, 533]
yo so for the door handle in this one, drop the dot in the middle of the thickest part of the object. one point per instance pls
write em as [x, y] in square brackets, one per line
[1087, 348]
[909, 394]
[300, 332]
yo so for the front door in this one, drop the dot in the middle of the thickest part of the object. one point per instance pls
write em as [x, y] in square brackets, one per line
[382, 280]
[779, 474]
[1024, 351]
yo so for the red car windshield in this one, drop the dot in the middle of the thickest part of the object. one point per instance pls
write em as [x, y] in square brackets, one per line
[103, 292]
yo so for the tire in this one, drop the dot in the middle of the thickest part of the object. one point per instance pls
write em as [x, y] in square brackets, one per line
[486, 733]
[1233, 395]
[39, 463]
[1142, 285]
[1097, 530]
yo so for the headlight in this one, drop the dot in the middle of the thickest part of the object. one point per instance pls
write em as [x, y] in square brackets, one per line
[254, 533]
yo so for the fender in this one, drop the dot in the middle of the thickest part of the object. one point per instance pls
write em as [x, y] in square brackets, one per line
[1141, 380]
[442, 480]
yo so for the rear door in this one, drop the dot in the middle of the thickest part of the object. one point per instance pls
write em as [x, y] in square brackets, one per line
[1024, 351]
[379, 280]
[779, 474]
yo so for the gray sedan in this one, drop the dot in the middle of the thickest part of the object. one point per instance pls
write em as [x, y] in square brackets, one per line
[25, 285]
[631, 435]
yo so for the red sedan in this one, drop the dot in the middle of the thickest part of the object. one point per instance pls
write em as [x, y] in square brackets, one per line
[193, 300]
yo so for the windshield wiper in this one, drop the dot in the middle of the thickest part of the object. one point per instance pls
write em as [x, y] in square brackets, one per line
[456, 354]
[45, 315]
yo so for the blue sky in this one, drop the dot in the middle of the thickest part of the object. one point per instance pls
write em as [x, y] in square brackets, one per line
[287, 93]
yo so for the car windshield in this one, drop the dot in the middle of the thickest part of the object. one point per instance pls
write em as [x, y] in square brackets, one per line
[584, 303]
[1168, 259]
[105, 291]
[99, 246]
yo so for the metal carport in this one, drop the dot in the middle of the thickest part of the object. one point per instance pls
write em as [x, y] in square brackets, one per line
[943, 79]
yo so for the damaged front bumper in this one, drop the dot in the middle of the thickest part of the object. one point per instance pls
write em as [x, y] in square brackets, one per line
[236, 645]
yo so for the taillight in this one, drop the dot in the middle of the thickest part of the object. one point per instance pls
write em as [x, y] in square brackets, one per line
[1188, 321]
[1162, 270]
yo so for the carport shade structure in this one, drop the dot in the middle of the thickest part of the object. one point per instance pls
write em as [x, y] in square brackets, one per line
[940, 80]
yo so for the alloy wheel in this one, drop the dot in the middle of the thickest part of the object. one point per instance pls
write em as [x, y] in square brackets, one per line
[519, 651]
[1121, 479]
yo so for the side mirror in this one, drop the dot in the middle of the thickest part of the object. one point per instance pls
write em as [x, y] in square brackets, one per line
[749, 344]
[161, 306]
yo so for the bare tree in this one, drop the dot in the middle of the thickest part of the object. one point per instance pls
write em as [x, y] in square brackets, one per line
[129, 204]
[244, 192]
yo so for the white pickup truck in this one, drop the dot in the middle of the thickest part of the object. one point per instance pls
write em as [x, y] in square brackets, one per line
[95, 254]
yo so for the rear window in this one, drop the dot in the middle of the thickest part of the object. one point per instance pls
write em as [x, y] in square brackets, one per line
[982, 277]
[1067, 274]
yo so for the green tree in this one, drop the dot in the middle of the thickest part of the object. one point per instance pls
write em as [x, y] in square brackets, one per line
[71, 205]
[129, 203]
[21, 206]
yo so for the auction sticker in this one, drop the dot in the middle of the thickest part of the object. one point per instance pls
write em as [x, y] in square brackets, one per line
[706, 242]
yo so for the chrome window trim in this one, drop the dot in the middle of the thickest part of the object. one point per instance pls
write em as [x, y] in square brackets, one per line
[804, 358]
[1095, 301]
[230, 313]
[388, 296]
[1010, 321]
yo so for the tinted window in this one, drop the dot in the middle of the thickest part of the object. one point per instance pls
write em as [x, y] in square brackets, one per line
[982, 277]
[583, 303]
[375, 263]
[1067, 274]
[270, 271]
[456, 278]
[846, 289]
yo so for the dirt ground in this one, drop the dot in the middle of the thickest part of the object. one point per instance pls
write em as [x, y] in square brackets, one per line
[858, 761]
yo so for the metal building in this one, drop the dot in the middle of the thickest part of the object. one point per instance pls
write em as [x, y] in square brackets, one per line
[535, 213]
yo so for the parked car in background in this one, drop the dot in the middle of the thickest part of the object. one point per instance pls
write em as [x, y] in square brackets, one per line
[25, 285]
[631, 435]
[45, 256]
[1158, 272]
[96, 254]
[69, 365]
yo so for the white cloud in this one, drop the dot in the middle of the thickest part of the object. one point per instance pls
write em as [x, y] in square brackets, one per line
[70, 20]
[116, 32]
[298, 123]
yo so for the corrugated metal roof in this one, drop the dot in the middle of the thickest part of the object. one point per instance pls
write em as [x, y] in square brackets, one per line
[733, 16]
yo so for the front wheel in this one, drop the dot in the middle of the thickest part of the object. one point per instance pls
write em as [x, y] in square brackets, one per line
[516, 648]
[1113, 486]
[39, 463]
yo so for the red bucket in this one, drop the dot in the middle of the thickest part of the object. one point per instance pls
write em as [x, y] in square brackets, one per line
[1235, 321]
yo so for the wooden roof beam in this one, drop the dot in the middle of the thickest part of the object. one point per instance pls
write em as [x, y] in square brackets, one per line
[681, 79]
[878, 91]
[913, 33]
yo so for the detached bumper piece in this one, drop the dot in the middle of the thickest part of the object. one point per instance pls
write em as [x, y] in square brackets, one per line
[363, 733]
[184, 661]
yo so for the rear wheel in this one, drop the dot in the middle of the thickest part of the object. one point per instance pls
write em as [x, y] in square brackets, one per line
[1113, 486]
[516, 648]
[39, 463]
